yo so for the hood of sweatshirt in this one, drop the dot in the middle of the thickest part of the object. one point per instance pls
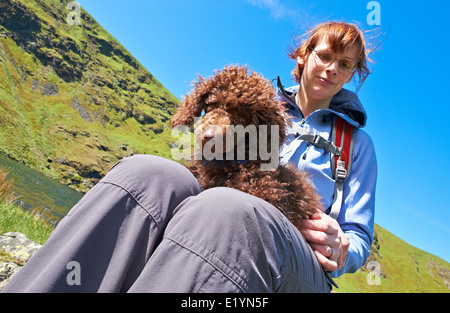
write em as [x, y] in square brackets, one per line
[345, 104]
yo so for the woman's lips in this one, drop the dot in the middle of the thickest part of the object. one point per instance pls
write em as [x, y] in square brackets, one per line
[326, 81]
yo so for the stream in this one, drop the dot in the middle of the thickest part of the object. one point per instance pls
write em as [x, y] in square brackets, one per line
[37, 191]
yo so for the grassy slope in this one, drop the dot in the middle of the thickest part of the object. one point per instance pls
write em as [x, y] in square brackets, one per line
[15, 219]
[403, 268]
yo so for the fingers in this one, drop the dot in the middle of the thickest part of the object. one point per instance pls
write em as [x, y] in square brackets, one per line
[321, 238]
[323, 224]
[316, 216]
[327, 264]
[335, 253]
[327, 239]
[326, 251]
[333, 249]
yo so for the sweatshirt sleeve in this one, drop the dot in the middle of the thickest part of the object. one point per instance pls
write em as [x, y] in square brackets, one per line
[358, 209]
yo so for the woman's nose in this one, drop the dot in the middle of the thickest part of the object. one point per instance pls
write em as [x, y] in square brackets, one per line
[333, 67]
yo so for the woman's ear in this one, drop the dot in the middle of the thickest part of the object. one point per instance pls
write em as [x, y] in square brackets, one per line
[300, 60]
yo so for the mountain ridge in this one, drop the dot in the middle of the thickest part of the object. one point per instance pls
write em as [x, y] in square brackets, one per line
[51, 70]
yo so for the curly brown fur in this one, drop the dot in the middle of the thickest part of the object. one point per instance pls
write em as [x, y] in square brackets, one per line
[237, 96]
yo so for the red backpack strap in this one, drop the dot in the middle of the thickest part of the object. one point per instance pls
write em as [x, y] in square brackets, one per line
[342, 136]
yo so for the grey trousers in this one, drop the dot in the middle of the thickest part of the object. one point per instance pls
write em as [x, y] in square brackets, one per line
[148, 226]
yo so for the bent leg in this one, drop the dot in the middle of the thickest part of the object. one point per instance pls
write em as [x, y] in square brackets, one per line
[224, 240]
[112, 231]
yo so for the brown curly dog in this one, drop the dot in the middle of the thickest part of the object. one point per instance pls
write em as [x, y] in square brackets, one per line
[241, 107]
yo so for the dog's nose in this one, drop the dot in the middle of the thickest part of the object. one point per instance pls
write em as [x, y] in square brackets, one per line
[208, 134]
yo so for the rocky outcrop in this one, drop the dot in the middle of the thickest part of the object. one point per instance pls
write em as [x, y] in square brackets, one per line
[15, 250]
[50, 89]
[15, 16]
[81, 110]
[7, 270]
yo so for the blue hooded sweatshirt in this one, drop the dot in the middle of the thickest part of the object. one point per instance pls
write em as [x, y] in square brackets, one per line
[356, 217]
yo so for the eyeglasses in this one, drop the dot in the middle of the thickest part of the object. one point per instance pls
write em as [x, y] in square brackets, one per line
[327, 57]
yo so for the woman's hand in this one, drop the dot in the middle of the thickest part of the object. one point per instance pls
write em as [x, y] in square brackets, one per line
[327, 239]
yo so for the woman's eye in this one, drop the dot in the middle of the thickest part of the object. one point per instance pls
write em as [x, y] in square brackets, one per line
[326, 57]
[347, 65]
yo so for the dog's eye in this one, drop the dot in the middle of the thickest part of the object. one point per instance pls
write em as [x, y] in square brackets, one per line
[243, 120]
[212, 106]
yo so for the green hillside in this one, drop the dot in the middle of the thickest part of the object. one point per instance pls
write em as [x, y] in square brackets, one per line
[73, 100]
[400, 267]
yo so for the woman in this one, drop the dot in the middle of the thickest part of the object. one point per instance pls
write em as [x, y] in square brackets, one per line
[147, 226]
[327, 60]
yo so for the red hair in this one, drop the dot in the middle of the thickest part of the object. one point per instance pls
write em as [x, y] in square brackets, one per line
[340, 36]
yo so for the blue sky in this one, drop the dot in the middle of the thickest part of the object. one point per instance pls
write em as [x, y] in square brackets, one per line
[404, 96]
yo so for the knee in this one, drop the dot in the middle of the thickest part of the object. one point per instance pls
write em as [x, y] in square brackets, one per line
[154, 179]
[221, 208]
[144, 167]
[226, 203]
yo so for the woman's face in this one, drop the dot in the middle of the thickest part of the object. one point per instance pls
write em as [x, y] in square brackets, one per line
[322, 80]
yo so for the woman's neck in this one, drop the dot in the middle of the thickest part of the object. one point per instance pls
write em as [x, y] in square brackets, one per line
[308, 105]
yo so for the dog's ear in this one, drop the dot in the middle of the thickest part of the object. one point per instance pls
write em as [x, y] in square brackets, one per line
[191, 106]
